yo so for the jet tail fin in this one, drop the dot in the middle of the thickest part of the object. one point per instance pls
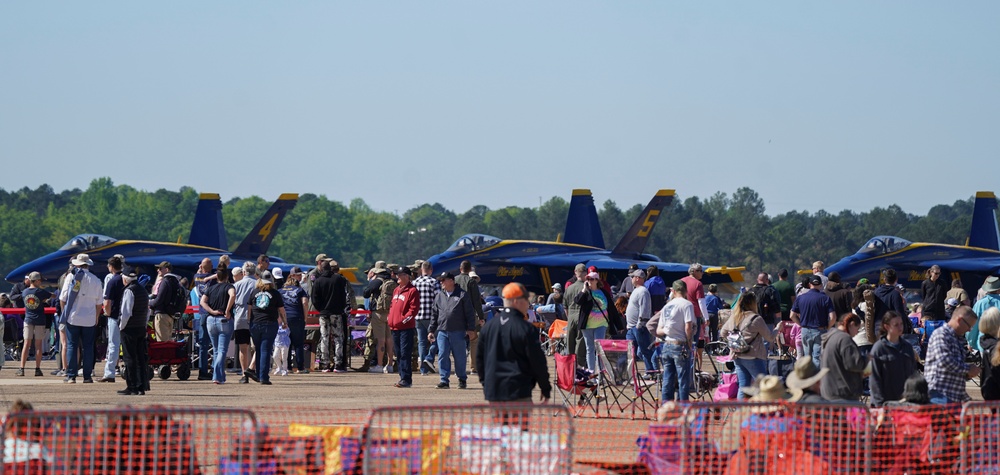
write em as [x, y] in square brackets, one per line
[260, 237]
[207, 229]
[635, 239]
[984, 232]
[582, 226]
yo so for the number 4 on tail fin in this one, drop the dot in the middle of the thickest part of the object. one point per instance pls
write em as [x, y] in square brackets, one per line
[259, 238]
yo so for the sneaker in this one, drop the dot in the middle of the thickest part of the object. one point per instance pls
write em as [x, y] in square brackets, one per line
[461, 384]
[304, 371]
[244, 380]
[19, 372]
[265, 383]
[387, 369]
[401, 384]
[442, 385]
[69, 380]
[338, 370]
[38, 372]
[327, 370]
[202, 377]
[428, 365]
[106, 380]
[251, 374]
[88, 381]
[58, 372]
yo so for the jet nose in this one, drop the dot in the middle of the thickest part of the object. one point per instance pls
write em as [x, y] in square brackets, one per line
[50, 266]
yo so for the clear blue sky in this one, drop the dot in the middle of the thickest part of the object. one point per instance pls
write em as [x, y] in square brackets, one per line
[815, 106]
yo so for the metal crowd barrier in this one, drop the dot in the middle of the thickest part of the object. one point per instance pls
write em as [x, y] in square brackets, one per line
[481, 439]
[153, 440]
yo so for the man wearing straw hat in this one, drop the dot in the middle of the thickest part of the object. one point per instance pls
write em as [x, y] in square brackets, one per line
[804, 380]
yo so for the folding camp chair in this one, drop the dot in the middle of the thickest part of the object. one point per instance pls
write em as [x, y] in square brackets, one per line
[646, 391]
[583, 390]
[612, 363]
[557, 334]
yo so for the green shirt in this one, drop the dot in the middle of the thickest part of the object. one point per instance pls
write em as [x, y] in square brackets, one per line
[785, 294]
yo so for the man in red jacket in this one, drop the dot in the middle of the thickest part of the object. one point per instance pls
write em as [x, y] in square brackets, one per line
[403, 323]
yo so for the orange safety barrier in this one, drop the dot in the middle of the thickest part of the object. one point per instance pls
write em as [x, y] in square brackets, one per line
[698, 438]
[155, 440]
[479, 439]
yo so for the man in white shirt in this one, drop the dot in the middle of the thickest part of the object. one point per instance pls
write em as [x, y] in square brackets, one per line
[676, 330]
[82, 299]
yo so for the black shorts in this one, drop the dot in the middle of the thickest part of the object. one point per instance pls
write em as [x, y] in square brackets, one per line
[241, 337]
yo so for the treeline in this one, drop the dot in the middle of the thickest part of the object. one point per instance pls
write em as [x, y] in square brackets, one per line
[722, 229]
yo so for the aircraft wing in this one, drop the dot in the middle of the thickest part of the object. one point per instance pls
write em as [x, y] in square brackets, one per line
[980, 265]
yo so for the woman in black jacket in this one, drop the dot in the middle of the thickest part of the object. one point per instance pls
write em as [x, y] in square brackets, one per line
[989, 327]
[893, 361]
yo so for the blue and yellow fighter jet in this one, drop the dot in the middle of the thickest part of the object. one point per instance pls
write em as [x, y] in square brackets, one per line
[539, 264]
[973, 262]
[207, 239]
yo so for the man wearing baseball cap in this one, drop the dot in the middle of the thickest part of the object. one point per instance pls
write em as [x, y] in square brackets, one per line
[452, 321]
[511, 361]
[813, 311]
[403, 323]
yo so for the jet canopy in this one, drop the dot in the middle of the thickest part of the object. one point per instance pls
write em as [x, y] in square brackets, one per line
[879, 245]
[86, 242]
[473, 242]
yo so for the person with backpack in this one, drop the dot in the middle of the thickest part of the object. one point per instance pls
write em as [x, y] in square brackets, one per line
[745, 333]
[379, 295]
[170, 300]
[768, 302]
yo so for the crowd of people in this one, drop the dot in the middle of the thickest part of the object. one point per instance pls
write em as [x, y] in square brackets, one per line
[861, 337]
[262, 312]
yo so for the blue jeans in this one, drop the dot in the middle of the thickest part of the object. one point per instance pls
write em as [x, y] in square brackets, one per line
[220, 331]
[402, 343]
[676, 372]
[641, 338]
[746, 370]
[204, 341]
[297, 333]
[425, 350]
[589, 337]
[263, 335]
[80, 338]
[451, 344]
[114, 344]
[812, 343]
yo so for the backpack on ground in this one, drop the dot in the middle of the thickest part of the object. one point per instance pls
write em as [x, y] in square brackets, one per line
[177, 300]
